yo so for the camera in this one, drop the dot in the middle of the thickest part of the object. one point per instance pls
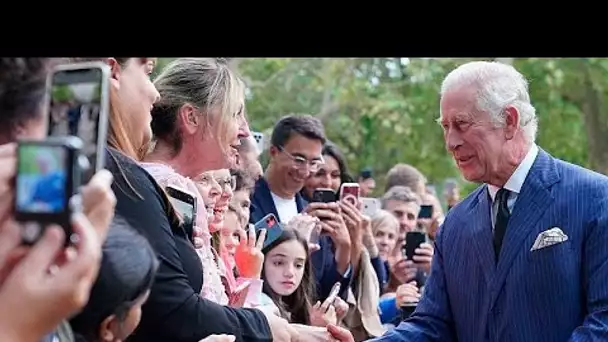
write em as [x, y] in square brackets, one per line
[49, 174]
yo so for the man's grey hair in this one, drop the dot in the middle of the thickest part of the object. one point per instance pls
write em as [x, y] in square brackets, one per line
[400, 193]
[498, 86]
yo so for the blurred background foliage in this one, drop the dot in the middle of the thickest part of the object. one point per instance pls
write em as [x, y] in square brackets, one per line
[382, 111]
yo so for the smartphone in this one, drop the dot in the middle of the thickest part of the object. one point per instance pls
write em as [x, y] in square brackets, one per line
[184, 203]
[333, 294]
[259, 140]
[350, 192]
[272, 226]
[413, 240]
[323, 195]
[47, 179]
[370, 206]
[78, 105]
[426, 212]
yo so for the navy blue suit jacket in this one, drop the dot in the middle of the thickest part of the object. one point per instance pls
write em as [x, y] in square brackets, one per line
[323, 260]
[554, 294]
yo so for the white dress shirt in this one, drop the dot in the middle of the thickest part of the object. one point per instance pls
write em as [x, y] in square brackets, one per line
[514, 183]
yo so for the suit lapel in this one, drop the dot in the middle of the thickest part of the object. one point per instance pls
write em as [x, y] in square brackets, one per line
[482, 233]
[534, 198]
[263, 199]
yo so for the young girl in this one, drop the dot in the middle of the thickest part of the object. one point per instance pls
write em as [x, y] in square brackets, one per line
[289, 285]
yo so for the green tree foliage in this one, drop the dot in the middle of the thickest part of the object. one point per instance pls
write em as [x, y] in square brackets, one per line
[62, 93]
[382, 111]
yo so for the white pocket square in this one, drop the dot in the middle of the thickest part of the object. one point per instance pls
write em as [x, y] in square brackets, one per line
[548, 238]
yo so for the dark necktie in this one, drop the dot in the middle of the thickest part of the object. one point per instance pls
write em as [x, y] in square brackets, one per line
[502, 219]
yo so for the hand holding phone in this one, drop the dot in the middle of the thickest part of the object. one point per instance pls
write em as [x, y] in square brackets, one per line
[47, 179]
[323, 195]
[413, 240]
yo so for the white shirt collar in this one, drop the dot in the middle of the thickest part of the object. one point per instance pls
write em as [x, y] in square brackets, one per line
[516, 181]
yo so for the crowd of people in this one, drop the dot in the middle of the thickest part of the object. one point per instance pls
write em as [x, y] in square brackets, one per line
[522, 258]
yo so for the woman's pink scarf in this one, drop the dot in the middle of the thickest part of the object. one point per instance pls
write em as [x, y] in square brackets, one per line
[213, 288]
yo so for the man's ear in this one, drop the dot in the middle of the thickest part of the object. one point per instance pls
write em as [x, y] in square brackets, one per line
[511, 122]
[115, 71]
[273, 151]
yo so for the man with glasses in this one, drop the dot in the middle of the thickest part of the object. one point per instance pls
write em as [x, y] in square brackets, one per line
[295, 153]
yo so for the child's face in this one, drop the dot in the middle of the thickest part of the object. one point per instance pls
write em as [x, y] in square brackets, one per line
[284, 267]
[229, 236]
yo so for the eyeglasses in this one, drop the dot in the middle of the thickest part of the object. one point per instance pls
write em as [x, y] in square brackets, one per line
[301, 162]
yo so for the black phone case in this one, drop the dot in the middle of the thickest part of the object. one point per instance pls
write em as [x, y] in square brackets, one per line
[413, 241]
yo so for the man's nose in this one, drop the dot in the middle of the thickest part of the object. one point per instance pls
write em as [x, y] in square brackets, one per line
[452, 139]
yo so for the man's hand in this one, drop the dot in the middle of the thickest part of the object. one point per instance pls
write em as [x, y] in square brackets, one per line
[424, 256]
[99, 201]
[339, 334]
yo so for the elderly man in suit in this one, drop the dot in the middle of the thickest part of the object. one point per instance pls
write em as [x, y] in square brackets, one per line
[525, 256]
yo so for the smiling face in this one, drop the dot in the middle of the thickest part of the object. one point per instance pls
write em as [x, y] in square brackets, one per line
[224, 179]
[284, 267]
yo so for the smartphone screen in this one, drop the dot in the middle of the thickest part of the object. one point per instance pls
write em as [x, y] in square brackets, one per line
[426, 211]
[78, 106]
[323, 196]
[42, 179]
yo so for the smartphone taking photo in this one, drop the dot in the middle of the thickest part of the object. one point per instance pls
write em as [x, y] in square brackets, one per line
[47, 179]
[78, 104]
